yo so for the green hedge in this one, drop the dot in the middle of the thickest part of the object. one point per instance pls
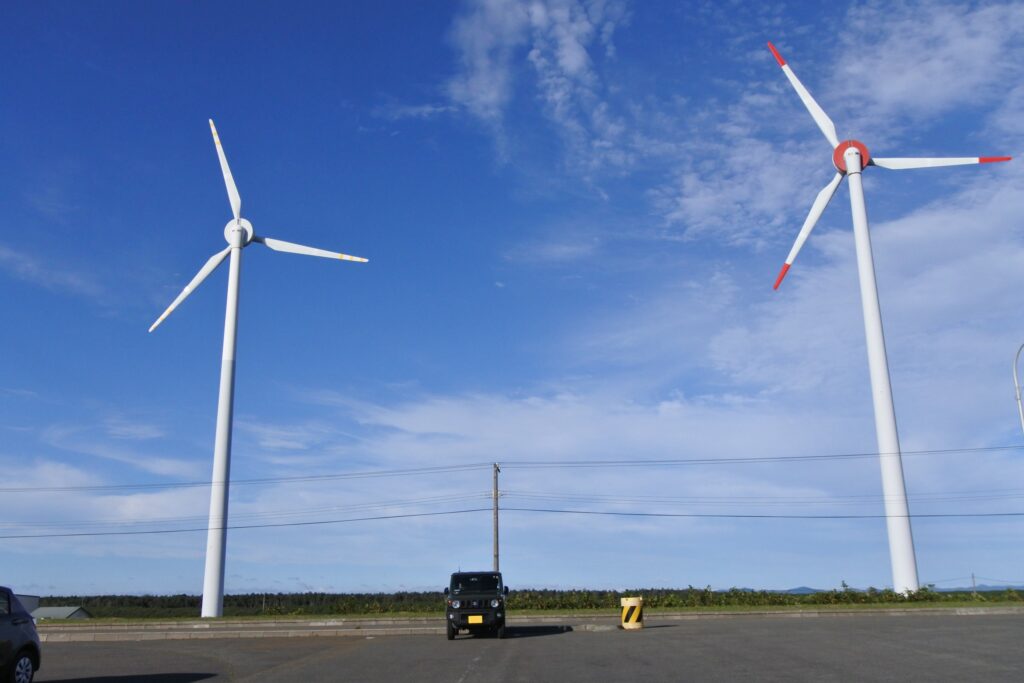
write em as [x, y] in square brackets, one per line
[297, 604]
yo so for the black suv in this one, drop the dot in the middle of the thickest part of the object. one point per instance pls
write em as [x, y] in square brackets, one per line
[19, 642]
[476, 602]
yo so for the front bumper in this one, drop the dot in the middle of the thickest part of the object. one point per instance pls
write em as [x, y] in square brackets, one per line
[476, 619]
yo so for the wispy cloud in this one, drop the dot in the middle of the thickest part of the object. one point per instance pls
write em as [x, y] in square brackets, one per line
[84, 440]
[500, 42]
[918, 61]
[563, 35]
[486, 36]
[554, 251]
[301, 436]
[398, 112]
[125, 428]
[51, 275]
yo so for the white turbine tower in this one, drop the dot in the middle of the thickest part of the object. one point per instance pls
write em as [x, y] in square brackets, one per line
[239, 234]
[850, 157]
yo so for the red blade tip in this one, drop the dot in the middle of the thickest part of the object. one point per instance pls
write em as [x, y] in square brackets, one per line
[782, 274]
[778, 57]
[991, 160]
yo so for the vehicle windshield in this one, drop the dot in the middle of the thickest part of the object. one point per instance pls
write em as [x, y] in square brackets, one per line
[476, 583]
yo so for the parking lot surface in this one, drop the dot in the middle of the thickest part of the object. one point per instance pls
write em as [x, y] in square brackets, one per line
[847, 648]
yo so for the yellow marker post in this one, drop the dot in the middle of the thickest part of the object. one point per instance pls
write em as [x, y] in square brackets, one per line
[632, 613]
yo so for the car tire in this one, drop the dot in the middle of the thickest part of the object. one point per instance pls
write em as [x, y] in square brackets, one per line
[451, 631]
[22, 670]
[500, 632]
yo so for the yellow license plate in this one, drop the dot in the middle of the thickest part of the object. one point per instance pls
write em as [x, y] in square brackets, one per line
[476, 619]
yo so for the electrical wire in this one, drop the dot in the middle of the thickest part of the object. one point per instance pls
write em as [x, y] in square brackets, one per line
[244, 526]
[509, 464]
[555, 464]
[542, 496]
[237, 516]
[518, 509]
[613, 513]
[243, 482]
[866, 499]
[988, 578]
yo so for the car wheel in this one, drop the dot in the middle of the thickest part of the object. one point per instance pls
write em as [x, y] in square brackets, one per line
[22, 669]
[500, 632]
[451, 631]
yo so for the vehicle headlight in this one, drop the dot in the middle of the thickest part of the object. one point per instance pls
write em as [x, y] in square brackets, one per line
[456, 604]
[495, 603]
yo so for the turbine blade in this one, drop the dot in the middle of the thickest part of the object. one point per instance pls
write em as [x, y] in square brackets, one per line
[817, 208]
[900, 163]
[819, 115]
[292, 248]
[209, 267]
[229, 181]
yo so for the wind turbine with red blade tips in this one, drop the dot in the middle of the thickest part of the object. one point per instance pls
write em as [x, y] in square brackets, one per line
[851, 157]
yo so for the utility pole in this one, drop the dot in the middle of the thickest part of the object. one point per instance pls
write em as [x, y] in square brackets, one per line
[497, 566]
[974, 587]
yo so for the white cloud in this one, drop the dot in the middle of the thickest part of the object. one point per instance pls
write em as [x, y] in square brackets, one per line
[496, 39]
[554, 251]
[919, 61]
[396, 112]
[84, 440]
[47, 274]
[303, 436]
[486, 36]
[121, 427]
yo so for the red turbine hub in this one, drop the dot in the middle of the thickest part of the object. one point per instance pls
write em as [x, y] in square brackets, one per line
[840, 162]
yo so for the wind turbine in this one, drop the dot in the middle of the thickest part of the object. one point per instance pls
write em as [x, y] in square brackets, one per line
[239, 234]
[850, 158]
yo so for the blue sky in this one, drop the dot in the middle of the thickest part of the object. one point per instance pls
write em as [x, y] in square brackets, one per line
[574, 213]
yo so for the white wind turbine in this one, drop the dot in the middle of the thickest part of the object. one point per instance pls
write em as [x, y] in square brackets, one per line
[239, 234]
[850, 157]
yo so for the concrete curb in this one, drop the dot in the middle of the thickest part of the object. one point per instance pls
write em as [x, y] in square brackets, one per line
[370, 628]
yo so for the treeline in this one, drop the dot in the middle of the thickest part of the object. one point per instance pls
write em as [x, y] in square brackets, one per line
[300, 604]
[738, 597]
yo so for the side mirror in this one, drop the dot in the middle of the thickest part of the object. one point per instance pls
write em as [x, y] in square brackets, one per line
[506, 590]
[446, 590]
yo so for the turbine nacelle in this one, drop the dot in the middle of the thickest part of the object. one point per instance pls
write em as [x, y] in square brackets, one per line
[839, 154]
[238, 233]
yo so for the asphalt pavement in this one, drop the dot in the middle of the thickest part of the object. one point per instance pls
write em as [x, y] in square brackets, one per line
[873, 647]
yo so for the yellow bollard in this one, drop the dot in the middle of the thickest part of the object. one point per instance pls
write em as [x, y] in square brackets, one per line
[632, 613]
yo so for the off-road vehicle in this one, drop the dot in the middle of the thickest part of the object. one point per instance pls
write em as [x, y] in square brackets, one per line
[475, 602]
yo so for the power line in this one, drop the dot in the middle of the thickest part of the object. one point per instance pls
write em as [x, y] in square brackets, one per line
[543, 496]
[988, 578]
[270, 514]
[670, 462]
[612, 513]
[511, 464]
[514, 509]
[865, 499]
[245, 526]
[266, 480]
